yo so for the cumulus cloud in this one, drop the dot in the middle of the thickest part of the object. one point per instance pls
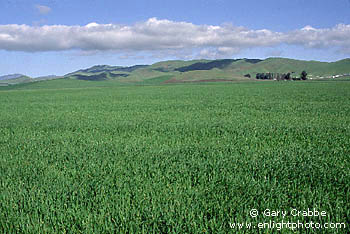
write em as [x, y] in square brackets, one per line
[159, 36]
[43, 9]
[338, 36]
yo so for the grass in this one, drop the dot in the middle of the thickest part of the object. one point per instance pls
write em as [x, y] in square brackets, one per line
[177, 158]
[63, 83]
[156, 80]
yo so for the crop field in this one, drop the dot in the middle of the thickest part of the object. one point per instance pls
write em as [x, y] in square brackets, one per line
[184, 158]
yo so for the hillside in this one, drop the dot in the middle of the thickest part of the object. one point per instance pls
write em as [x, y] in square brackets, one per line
[11, 76]
[313, 68]
[179, 71]
[14, 79]
[210, 70]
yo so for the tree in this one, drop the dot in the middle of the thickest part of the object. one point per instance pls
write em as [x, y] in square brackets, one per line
[260, 76]
[279, 77]
[303, 75]
[287, 77]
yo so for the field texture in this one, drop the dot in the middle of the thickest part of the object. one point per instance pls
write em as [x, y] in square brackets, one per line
[177, 158]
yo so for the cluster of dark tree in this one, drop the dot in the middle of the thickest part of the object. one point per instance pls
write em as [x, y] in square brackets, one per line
[280, 76]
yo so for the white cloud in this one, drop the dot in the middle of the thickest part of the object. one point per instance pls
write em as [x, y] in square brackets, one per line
[336, 37]
[308, 28]
[165, 36]
[43, 9]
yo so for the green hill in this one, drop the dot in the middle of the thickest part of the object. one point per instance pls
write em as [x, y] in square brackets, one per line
[18, 80]
[179, 71]
[313, 68]
[211, 70]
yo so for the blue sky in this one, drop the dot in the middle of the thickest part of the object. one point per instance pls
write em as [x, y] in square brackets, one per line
[59, 36]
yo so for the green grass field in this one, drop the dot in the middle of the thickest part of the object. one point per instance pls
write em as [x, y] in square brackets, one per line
[77, 158]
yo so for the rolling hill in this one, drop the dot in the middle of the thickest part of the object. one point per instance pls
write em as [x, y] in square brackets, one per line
[14, 79]
[11, 76]
[211, 70]
[176, 71]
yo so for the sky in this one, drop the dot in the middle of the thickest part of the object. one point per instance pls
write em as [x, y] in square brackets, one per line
[55, 37]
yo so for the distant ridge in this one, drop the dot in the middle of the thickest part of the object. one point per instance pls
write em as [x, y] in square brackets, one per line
[11, 76]
[182, 71]
[107, 68]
